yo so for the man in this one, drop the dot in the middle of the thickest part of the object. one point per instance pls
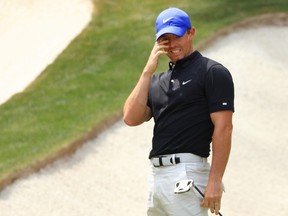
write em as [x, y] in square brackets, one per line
[192, 105]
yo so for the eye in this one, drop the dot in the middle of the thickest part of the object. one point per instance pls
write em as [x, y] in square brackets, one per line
[163, 39]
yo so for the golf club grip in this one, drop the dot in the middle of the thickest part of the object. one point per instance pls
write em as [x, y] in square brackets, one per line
[203, 195]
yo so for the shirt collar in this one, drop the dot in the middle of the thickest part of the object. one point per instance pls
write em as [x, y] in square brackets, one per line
[186, 60]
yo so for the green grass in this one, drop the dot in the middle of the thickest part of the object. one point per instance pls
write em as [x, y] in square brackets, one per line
[90, 80]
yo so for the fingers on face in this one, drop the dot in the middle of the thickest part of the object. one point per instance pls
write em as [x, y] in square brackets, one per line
[162, 42]
[162, 47]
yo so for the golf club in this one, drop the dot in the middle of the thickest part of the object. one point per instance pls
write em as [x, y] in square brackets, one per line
[184, 186]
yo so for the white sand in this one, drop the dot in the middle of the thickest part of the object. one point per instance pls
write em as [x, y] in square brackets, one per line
[32, 34]
[107, 176]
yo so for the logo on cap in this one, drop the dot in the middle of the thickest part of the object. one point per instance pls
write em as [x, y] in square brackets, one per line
[166, 20]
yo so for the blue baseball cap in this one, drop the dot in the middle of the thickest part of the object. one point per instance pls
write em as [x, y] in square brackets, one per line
[172, 21]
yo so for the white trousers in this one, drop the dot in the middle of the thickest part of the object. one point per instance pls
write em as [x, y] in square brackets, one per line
[163, 201]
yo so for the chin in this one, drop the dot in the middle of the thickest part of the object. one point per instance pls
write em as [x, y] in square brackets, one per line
[175, 59]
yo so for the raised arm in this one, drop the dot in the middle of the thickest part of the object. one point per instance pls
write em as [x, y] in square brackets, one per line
[135, 109]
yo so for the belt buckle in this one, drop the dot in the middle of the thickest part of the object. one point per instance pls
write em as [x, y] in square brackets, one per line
[174, 160]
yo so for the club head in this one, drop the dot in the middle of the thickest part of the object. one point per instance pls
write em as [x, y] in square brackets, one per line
[183, 186]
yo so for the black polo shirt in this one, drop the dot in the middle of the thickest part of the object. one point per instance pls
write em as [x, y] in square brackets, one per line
[181, 101]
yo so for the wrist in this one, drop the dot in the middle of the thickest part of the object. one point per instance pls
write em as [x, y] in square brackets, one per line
[147, 73]
[215, 177]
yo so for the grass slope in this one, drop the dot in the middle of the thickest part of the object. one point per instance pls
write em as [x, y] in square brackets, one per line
[90, 80]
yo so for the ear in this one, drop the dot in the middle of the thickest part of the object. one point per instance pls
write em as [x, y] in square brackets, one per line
[191, 33]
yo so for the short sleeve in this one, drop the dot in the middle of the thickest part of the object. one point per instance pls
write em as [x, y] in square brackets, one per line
[219, 89]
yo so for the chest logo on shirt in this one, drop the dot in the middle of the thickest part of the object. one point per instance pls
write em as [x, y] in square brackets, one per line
[185, 82]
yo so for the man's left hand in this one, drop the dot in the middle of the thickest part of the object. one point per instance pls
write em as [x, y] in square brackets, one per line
[213, 195]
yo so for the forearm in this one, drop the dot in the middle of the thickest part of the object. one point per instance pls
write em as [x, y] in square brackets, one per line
[221, 146]
[135, 109]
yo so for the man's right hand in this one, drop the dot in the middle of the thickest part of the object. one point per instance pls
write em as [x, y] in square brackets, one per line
[160, 48]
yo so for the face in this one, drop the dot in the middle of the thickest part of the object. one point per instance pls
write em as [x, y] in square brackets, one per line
[178, 47]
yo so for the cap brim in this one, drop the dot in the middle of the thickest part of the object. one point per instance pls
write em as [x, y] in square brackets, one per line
[171, 30]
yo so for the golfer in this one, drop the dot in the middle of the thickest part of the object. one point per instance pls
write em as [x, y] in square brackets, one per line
[192, 104]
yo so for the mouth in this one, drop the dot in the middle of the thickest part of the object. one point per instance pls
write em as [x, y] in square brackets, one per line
[175, 54]
[175, 51]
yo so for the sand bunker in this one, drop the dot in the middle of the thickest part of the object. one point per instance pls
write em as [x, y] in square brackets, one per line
[107, 176]
[32, 34]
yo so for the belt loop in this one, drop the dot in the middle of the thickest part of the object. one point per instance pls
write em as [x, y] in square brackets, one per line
[160, 161]
[204, 159]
